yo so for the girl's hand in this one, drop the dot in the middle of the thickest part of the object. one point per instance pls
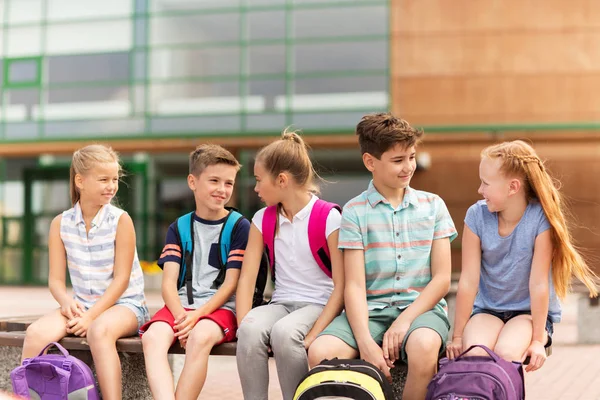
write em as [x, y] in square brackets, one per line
[79, 326]
[308, 339]
[72, 309]
[454, 348]
[537, 356]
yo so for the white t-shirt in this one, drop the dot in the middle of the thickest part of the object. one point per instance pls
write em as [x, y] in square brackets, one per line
[298, 276]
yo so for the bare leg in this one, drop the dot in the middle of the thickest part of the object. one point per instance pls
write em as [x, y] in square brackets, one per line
[112, 324]
[50, 328]
[328, 347]
[422, 349]
[515, 338]
[482, 329]
[156, 342]
[203, 337]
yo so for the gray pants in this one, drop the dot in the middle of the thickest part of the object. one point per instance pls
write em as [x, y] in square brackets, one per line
[282, 326]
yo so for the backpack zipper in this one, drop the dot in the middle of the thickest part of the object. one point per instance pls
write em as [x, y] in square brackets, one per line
[349, 366]
[337, 383]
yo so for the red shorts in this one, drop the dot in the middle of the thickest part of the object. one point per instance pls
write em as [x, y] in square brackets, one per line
[222, 317]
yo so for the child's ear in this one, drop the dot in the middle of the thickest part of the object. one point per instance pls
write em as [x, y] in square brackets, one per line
[368, 160]
[282, 180]
[78, 181]
[514, 186]
[191, 180]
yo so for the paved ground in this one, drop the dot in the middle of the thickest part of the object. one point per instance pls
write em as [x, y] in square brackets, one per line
[571, 373]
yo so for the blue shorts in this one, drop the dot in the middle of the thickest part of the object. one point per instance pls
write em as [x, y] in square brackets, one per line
[506, 316]
[141, 312]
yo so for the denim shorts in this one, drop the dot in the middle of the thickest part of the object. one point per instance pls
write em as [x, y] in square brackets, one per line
[141, 312]
[506, 316]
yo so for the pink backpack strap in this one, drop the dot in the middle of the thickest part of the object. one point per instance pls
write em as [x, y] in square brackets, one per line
[268, 234]
[317, 238]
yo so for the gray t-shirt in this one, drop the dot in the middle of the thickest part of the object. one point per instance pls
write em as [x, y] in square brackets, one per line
[206, 257]
[506, 261]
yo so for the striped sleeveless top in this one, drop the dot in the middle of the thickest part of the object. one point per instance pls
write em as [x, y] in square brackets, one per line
[91, 256]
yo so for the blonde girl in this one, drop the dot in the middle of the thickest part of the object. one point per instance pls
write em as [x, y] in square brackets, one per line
[96, 242]
[518, 258]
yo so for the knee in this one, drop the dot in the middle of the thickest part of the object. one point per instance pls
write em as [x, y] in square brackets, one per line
[35, 332]
[251, 334]
[318, 351]
[285, 338]
[200, 341]
[508, 353]
[98, 333]
[154, 339]
[422, 350]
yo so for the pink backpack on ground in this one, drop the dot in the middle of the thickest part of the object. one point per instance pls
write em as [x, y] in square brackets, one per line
[317, 238]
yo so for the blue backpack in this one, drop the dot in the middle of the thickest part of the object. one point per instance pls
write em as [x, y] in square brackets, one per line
[185, 233]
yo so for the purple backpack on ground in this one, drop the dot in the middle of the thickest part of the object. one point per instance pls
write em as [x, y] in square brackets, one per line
[54, 377]
[477, 378]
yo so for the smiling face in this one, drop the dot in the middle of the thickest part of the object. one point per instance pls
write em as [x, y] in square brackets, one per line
[100, 184]
[214, 186]
[495, 186]
[395, 168]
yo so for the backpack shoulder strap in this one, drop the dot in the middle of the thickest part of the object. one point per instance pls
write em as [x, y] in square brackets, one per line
[268, 233]
[226, 235]
[317, 238]
[185, 230]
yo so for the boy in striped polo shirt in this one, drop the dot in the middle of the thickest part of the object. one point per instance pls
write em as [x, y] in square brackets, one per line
[396, 243]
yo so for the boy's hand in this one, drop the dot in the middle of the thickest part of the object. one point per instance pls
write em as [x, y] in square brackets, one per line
[392, 340]
[185, 323]
[72, 309]
[454, 348]
[372, 353]
[537, 356]
[78, 326]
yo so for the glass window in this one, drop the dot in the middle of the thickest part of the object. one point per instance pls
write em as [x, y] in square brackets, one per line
[85, 103]
[366, 55]
[22, 72]
[270, 90]
[340, 21]
[258, 3]
[266, 25]
[24, 11]
[19, 104]
[200, 98]
[88, 68]
[266, 59]
[175, 63]
[348, 93]
[24, 41]
[170, 5]
[89, 37]
[11, 267]
[328, 120]
[195, 29]
[207, 124]
[60, 10]
[85, 128]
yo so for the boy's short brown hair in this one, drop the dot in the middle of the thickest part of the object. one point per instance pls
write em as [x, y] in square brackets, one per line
[210, 154]
[377, 133]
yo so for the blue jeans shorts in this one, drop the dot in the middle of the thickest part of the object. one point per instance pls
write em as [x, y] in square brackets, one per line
[506, 316]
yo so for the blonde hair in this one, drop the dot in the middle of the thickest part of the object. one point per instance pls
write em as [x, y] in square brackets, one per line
[519, 159]
[85, 159]
[210, 154]
[289, 154]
